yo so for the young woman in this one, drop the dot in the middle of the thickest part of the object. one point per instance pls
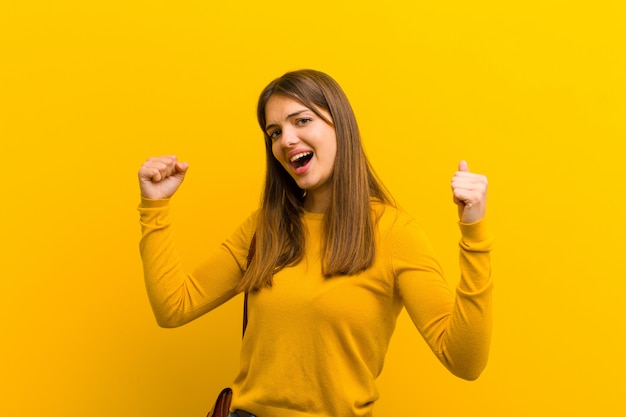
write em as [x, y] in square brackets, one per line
[335, 262]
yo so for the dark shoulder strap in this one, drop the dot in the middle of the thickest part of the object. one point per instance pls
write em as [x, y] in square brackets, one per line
[251, 250]
[245, 313]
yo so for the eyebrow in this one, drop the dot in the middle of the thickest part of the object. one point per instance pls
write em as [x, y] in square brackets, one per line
[289, 116]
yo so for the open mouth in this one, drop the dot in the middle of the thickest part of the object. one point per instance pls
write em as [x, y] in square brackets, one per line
[301, 159]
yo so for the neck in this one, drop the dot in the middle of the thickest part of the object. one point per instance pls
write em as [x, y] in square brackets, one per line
[317, 201]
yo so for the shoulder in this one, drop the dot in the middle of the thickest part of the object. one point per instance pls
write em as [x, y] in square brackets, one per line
[396, 227]
[388, 217]
[239, 240]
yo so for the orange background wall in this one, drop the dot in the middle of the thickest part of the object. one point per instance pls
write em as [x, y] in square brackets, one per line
[532, 93]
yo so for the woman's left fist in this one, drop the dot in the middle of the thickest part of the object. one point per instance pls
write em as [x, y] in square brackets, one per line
[470, 194]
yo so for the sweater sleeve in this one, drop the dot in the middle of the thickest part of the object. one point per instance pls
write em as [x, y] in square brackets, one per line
[177, 296]
[455, 324]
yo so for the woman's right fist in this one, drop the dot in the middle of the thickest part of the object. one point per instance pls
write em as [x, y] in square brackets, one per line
[160, 177]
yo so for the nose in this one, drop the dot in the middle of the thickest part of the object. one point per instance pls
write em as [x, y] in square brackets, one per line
[288, 137]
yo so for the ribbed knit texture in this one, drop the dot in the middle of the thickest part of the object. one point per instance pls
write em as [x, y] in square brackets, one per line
[315, 346]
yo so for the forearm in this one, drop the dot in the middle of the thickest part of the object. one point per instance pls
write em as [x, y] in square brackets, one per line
[466, 343]
[455, 324]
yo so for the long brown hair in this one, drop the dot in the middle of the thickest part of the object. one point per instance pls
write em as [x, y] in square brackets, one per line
[348, 245]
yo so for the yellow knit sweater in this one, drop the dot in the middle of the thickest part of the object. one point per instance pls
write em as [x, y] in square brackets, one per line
[315, 346]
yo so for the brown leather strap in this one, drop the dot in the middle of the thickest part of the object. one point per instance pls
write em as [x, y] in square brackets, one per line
[245, 314]
[251, 251]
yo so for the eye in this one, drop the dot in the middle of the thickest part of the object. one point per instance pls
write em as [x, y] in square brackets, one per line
[274, 134]
[303, 121]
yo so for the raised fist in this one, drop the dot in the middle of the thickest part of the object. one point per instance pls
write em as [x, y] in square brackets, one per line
[161, 176]
[470, 194]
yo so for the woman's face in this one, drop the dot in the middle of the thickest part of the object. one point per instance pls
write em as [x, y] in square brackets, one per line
[303, 143]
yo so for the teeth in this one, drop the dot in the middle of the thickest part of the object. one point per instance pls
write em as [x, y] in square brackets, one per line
[299, 155]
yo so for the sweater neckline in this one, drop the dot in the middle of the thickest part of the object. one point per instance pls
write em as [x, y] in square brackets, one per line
[308, 215]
